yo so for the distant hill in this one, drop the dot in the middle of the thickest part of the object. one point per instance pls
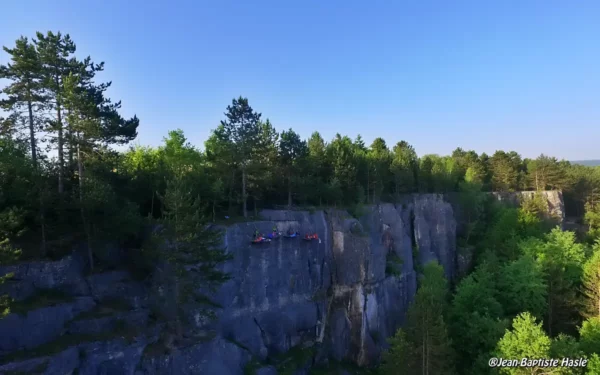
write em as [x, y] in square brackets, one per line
[589, 163]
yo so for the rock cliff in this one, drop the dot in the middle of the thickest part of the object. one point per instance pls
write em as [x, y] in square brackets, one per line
[338, 297]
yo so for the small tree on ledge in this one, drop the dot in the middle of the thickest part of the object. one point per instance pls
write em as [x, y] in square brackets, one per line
[192, 253]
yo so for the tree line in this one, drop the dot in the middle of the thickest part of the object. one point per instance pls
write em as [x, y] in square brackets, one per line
[62, 184]
[60, 169]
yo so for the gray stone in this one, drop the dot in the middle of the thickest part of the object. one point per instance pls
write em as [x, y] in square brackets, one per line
[554, 200]
[333, 292]
[118, 284]
[64, 274]
[215, 357]
[30, 366]
[435, 231]
[137, 318]
[113, 357]
[269, 370]
[64, 363]
[39, 326]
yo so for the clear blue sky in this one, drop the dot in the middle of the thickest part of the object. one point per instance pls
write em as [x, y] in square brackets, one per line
[483, 75]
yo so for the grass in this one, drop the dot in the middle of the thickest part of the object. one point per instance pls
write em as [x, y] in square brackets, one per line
[43, 298]
[106, 307]
[66, 341]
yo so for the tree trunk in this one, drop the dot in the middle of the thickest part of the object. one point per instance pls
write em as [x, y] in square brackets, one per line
[70, 141]
[32, 135]
[152, 205]
[231, 185]
[244, 208]
[81, 209]
[61, 156]
[550, 317]
[289, 191]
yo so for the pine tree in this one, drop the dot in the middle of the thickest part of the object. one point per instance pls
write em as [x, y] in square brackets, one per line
[25, 91]
[591, 284]
[504, 174]
[291, 151]
[193, 250]
[589, 335]
[94, 121]
[340, 152]
[545, 173]
[399, 358]
[55, 51]
[318, 166]
[379, 161]
[426, 327]
[404, 167]
[476, 321]
[243, 129]
[527, 339]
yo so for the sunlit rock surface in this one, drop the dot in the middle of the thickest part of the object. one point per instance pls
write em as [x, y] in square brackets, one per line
[337, 295]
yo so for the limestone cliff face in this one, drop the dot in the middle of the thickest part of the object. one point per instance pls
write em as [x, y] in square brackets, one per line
[335, 294]
[554, 199]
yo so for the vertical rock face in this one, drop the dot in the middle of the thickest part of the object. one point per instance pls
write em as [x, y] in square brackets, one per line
[435, 231]
[554, 200]
[333, 291]
[273, 301]
[343, 294]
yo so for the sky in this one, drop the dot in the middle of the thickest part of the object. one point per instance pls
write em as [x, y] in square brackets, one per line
[481, 75]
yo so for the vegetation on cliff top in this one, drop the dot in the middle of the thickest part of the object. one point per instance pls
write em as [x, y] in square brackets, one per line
[62, 184]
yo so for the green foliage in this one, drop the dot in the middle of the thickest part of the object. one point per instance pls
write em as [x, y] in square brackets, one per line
[393, 264]
[527, 339]
[590, 280]
[194, 249]
[62, 343]
[589, 334]
[42, 298]
[472, 204]
[104, 194]
[398, 359]
[424, 346]
[404, 167]
[476, 322]
[505, 170]
[561, 259]
[593, 366]
[522, 287]
[546, 173]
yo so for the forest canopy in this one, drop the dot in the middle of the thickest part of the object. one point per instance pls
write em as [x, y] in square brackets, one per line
[62, 183]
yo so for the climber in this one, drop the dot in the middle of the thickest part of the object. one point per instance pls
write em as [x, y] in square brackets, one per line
[291, 234]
